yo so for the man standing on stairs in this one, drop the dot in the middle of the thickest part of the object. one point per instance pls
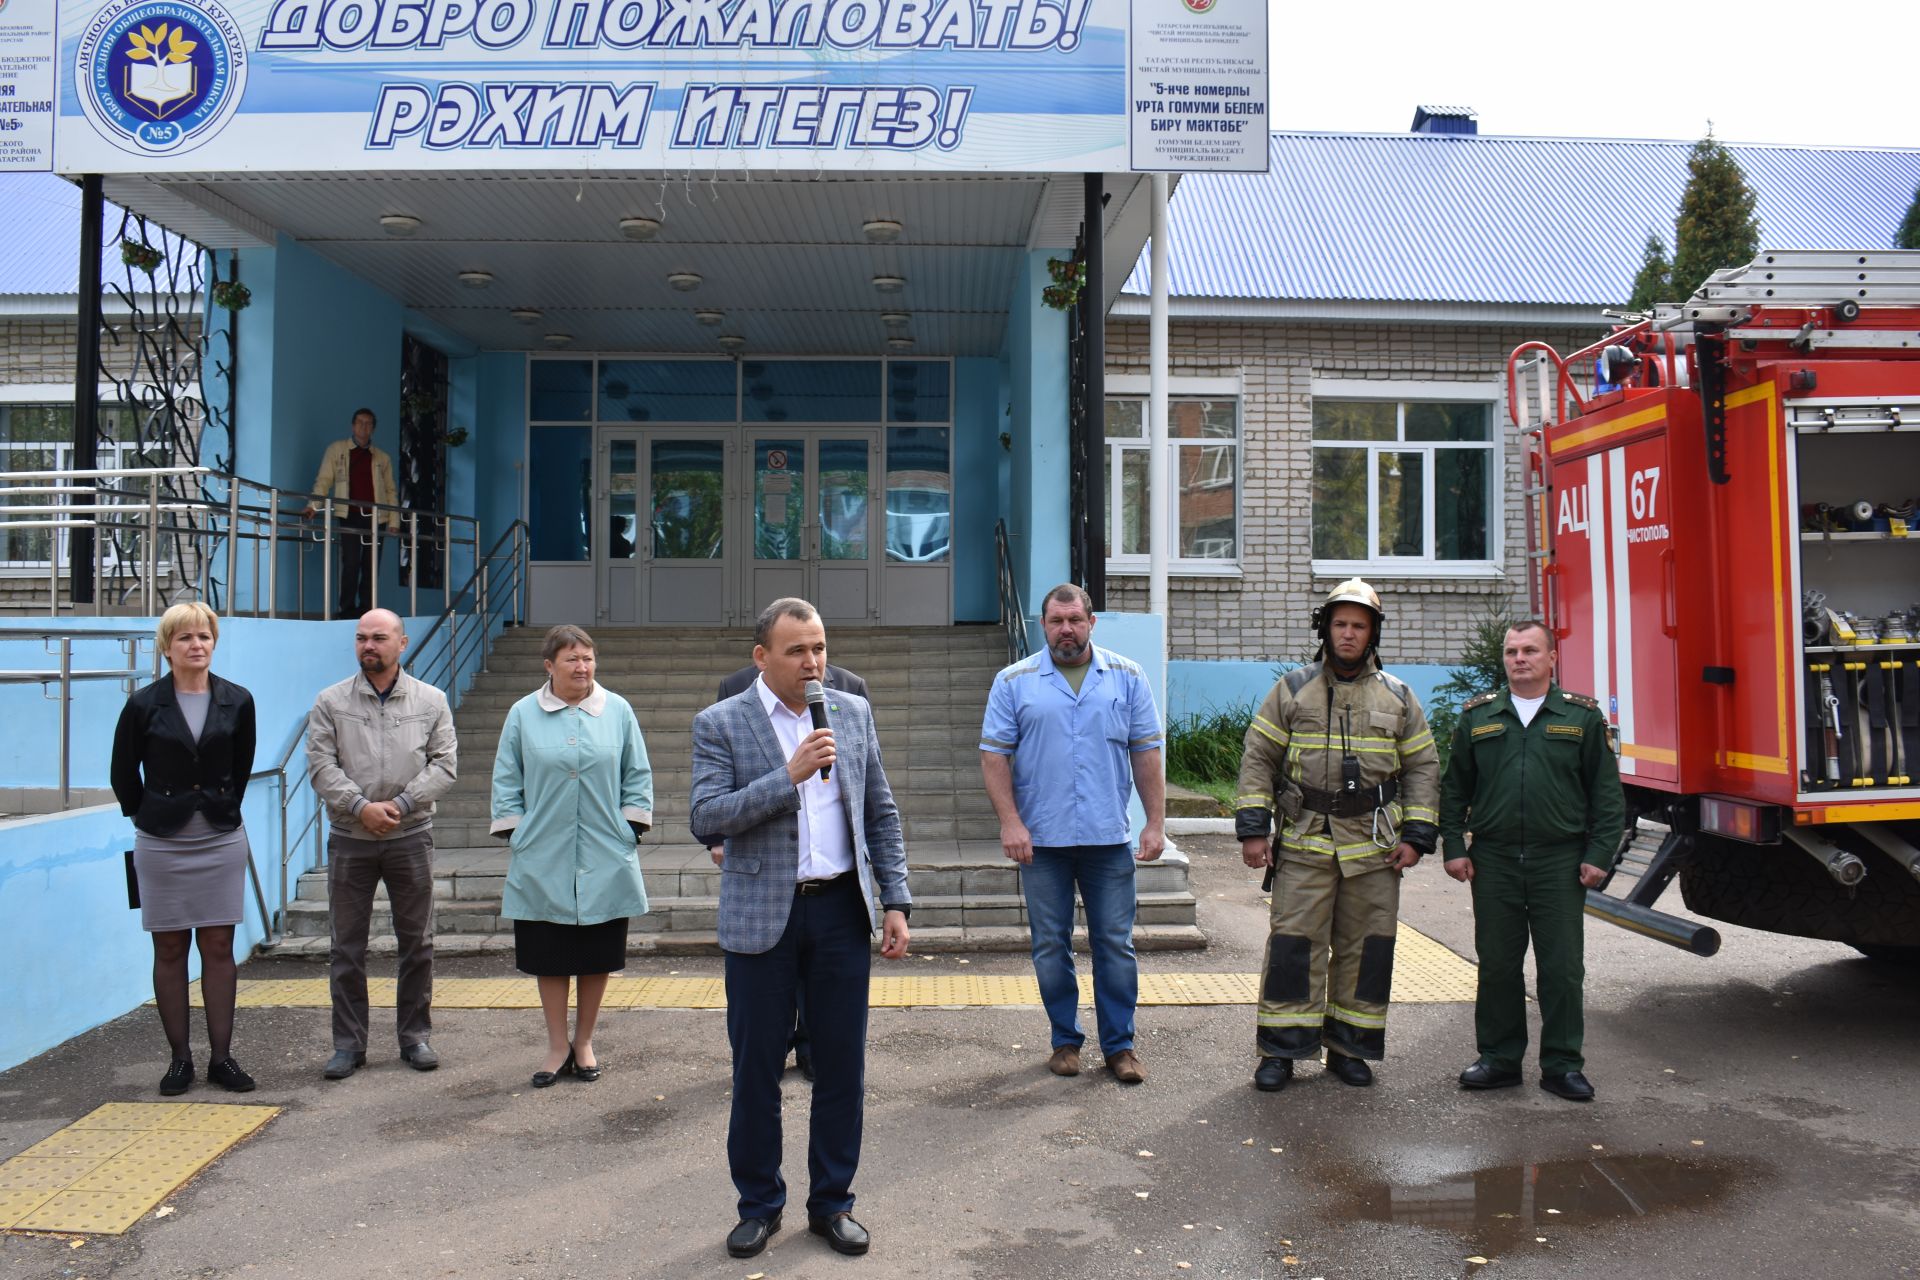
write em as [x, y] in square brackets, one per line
[1068, 732]
[380, 750]
[840, 680]
[1340, 750]
[813, 844]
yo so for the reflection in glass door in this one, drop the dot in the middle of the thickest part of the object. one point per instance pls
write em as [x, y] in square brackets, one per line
[814, 522]
[663, 504]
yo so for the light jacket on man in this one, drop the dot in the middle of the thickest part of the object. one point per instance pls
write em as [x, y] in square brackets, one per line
[335, 479]
[361, 749]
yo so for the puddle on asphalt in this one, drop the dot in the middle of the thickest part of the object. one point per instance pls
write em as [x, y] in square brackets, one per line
[1501, 1210]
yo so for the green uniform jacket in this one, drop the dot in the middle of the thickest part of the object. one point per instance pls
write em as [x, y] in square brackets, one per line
[1551, 786]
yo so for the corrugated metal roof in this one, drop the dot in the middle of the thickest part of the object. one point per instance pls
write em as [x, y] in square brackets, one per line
[40, 252]
[1405, 217]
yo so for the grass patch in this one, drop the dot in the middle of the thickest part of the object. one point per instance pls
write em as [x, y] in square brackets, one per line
[1203, 751]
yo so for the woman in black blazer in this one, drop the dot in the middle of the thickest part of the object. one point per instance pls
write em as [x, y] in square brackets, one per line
[181, 756]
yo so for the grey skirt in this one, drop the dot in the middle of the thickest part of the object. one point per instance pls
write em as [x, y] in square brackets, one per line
[195, 878]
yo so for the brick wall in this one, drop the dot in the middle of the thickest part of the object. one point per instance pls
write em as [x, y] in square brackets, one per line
[1263, 614]
[38, 349]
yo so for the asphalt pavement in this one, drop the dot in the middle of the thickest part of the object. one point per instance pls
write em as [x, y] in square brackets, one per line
[1756, 1117]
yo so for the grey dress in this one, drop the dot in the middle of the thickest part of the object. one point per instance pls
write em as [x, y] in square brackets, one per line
[196, 877]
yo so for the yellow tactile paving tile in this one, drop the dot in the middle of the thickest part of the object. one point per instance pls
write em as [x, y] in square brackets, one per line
[106, 1170]
[1424, 972]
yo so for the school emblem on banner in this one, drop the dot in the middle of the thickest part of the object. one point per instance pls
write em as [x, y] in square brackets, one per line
[160, 76]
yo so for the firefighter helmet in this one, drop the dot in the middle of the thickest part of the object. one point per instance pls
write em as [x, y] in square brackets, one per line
[1352, 591]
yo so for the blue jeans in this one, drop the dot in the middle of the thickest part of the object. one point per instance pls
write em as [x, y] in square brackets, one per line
[1104, 874]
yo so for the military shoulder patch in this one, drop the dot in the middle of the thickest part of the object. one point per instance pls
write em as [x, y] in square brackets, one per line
[1581, 700]
[1480, 701]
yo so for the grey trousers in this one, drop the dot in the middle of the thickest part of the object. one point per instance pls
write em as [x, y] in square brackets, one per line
[355, 866]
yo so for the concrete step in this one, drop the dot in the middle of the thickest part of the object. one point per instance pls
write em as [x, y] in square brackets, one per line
[927, 940]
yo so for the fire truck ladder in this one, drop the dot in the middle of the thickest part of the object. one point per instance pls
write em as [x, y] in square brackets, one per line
[1842, 281]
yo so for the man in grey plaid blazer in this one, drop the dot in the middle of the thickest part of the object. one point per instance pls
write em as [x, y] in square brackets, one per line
[807, 859]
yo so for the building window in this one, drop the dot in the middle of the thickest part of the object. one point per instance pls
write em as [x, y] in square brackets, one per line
[1403, 484]
[1203, 443]
[39, 438]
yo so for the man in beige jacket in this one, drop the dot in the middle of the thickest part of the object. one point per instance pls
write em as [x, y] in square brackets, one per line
[380, 750]
[354, 472]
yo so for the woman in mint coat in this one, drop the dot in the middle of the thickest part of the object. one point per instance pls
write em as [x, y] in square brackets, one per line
[572, 792]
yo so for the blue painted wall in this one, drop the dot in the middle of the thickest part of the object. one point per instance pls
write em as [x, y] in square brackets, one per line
[978, 419]
[1200, 688]
[1143, 638]
[500, 439]
[1038, 475]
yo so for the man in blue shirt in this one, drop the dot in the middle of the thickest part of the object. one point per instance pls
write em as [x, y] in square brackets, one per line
[1068, 732]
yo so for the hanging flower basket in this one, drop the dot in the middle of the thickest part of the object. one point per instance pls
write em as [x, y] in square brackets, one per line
[140, 256]
[231, 294]
[1069, 278]
[455, 437]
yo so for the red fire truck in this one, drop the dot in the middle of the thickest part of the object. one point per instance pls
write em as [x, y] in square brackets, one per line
[1722, 535]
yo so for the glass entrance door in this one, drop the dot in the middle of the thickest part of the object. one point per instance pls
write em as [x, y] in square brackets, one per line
[663, 499]
[816, 530]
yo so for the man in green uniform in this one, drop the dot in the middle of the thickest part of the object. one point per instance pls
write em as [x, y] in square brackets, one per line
[1341, 750]
[1534, 778]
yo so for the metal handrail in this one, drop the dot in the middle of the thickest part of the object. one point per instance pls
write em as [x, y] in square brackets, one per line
[59, 641]
[204, 520]
[1013, 616]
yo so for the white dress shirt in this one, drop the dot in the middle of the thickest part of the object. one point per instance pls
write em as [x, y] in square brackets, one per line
[826, 841]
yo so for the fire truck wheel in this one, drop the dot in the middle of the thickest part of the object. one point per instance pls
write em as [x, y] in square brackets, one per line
[1907, 957]
[1780, 890]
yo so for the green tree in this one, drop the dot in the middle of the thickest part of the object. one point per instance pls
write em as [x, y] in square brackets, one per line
[1716, 227]
[1655, 281]
[1909, 235]
[1480, 668]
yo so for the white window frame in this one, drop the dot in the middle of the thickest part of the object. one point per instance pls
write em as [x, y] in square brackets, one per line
[1133, 386]
[112, 454]
[1403, 393]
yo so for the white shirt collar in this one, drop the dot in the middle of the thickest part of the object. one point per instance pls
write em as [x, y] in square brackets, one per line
[593, 704]
[770, 700]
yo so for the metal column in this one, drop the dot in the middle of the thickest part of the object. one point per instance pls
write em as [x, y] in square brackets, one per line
[86, 386]
[1094, 391]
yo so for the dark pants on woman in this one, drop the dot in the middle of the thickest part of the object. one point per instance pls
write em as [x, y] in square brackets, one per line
[355, 867]
[826, 954]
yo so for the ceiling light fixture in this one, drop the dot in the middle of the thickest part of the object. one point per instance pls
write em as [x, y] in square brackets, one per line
[684, 281]
[881, 230]
[889, 284]
[525, 315]
[732, 342]
[476, 279]
[900, 344]
[895, 319]
[639, 228]
[706, 316]
[399, 224]
[558, 339]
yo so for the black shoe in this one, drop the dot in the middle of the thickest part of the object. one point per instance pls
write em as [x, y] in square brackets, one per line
[342, 1064]
[1572, 1086]
[1484, 1075]
[804, 1060]
[1349, 1070]
[420, 1057]
[750, 1236]
[585, 1075]
[230, 1077]
[179, 1076]
[1272, 1074]
[545, 1079]
[842, 1232]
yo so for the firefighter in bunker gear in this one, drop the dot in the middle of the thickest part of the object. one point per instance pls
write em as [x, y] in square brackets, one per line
[1341, 751]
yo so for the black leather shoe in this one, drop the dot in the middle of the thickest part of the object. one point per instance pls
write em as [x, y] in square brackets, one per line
[1272, 1074]
[545, 1079]
[1572, 1086]
[842, 1232]
[230, 1077]
[420, 1057]
[1349, 1070]
[585, 1075]
[179, 1076]
[751, 1235]
[1484, 1075]
[343, 1064]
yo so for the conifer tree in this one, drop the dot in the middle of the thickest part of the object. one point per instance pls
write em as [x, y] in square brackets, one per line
[1909, 236]
[1655, 281]
[1716, 227]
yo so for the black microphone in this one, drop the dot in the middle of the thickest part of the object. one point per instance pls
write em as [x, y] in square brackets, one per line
[817, 708]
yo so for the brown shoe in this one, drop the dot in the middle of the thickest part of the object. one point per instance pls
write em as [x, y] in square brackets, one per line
[1065, 1061]
[1126, 1067]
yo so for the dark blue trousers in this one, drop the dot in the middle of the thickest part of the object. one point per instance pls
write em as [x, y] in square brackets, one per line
[824, 958]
